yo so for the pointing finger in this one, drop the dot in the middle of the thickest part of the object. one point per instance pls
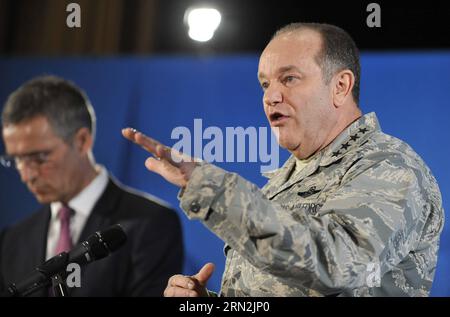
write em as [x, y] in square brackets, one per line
[141, 139]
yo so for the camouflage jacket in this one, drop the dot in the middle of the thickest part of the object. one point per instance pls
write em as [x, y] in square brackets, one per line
[363, 218]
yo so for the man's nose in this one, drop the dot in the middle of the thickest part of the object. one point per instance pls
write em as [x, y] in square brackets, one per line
[273, 96]
[27, 173]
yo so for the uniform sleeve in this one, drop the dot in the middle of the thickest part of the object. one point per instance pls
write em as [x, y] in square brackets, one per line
[373, 219]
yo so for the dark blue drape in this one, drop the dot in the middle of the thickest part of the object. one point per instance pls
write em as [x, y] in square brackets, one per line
[410, 92]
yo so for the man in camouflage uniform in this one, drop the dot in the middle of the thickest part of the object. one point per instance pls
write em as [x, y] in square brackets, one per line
[353, 212]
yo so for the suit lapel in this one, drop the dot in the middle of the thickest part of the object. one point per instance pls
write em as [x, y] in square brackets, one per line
[101, 215]
[39, 233]
[37, 236]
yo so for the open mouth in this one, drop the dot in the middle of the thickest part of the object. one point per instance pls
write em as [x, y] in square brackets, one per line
[277, 118]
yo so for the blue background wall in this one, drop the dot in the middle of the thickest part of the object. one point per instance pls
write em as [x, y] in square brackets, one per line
[410, 92]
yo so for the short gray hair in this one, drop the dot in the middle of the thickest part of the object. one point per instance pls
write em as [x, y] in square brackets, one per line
[66, 107]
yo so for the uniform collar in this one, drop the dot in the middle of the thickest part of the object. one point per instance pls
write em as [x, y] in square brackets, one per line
[349, 139]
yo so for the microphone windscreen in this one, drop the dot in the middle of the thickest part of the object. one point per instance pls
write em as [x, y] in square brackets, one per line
[113, 237]
[102, 243]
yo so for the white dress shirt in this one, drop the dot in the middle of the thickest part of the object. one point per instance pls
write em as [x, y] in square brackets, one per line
[82, 205]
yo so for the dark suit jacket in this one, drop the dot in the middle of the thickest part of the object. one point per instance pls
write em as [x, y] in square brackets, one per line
[153, 251]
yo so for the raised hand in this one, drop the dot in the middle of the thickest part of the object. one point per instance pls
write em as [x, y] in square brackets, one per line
[175, 167]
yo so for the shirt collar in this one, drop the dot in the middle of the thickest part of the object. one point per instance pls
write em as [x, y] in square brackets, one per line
[84, 202]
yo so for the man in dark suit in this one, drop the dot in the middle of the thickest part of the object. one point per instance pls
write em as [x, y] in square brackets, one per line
[48, 131]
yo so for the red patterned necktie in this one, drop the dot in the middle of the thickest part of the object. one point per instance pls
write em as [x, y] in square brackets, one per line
[65, 240]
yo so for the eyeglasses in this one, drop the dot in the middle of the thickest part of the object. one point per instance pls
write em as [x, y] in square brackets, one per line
[35, 159]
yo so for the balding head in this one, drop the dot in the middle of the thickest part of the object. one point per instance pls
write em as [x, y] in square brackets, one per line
[338, 50]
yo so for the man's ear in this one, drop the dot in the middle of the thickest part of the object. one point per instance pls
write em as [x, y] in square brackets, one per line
[343, 85]
[83, 140]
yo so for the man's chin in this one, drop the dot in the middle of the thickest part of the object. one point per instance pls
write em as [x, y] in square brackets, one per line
[288, 145]
[44, 199]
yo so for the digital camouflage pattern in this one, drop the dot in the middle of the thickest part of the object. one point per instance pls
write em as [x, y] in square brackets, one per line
[363, 218]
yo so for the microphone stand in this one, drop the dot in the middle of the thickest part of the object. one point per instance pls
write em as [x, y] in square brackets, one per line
[96, 247]
[59, 286]
[51, 272]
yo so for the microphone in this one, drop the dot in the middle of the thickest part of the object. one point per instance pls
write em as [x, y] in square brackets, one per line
[95, 247]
